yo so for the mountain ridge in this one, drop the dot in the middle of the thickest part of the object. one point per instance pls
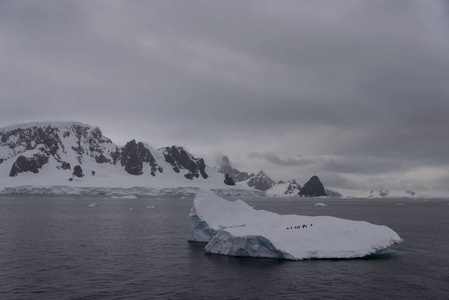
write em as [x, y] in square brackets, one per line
[77, 153]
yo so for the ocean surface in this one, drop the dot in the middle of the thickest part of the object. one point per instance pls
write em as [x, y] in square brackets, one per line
[56, 247]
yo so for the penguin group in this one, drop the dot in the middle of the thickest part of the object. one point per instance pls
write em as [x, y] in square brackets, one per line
[299, 226]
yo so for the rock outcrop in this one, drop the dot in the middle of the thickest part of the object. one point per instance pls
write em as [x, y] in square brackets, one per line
[78, 171]
[180, 159]
[28, 164]
[228, 180]
[134, 155]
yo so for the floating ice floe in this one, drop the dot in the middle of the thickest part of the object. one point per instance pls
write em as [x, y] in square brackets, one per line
[320, 204]
[93, 205]
[235, 228]
[150, 206]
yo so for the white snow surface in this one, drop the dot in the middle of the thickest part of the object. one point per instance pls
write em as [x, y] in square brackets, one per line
[235, 228]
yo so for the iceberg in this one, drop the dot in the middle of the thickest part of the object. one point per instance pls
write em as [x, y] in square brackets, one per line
[320, 204]
[237, 229]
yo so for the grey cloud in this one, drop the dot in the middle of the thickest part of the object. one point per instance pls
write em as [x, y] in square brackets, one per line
[290, 162]
[339, 164]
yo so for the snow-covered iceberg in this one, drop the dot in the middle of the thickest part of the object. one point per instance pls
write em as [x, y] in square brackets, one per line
[235, 228]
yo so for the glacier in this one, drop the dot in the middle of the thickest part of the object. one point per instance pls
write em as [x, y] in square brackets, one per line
[237, 229]
[125, 191]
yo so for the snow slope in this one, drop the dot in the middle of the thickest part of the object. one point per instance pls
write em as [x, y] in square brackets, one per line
[235, 228]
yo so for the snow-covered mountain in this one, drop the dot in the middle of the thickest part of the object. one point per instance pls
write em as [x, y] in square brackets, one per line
[261, 181]
[78, 155]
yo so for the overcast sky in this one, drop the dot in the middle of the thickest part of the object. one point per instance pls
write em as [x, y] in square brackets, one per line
[356, 92]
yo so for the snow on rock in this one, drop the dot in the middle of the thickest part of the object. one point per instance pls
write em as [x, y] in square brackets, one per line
[261, 181]
[284, 189]
[235, 228]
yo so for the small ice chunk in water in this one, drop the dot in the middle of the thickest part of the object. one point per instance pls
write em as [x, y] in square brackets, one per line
[93, 205]
[150, 206]
[320, 204]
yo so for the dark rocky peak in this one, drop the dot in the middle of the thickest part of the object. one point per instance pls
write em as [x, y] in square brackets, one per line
[236, 175]
[134, 155]
[313, 188]
[180, 159]
[261, 181]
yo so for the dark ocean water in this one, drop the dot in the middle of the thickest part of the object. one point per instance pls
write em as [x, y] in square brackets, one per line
[56, 247]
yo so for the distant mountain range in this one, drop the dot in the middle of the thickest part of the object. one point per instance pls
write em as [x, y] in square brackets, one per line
[261, 181]
[78, 155]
